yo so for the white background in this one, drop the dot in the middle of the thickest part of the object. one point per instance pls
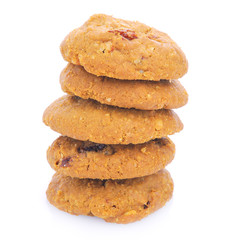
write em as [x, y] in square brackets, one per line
[206, 201]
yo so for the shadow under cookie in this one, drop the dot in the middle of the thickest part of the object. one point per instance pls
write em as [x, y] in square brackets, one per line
[91, 160]
[119, 201]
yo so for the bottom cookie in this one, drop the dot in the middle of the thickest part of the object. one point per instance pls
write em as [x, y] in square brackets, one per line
[118, 201]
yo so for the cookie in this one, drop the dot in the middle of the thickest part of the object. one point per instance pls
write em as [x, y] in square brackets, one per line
[89, 120]
[80, 159]
[107, 46]
[119, 201]
[145, 95]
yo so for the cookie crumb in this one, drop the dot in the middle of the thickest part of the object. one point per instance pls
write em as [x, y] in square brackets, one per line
[159, 125]
[143, 149]
[132, 212]
[137, 61]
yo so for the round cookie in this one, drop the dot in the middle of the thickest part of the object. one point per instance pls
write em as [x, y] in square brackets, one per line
[119, 201]
[80, 159]
[145, 95]
[89, 120]
[107, 46]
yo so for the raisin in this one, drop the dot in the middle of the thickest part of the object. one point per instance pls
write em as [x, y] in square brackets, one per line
[66, 162]
[109, 150]
[80, 150]
[128, 34]
[145, 206]
[93, 148]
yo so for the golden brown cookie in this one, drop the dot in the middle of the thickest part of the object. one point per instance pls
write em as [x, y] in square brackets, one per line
[89, 120]
[145, 95]
[80, 159]
[107, 46]
[119, 201]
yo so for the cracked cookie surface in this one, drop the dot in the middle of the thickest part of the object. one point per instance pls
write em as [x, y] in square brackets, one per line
[112, 47]
[119, 201]
[145, 95]
[91, 160]
[89, 120]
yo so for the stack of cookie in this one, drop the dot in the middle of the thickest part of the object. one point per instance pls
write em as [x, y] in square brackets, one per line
[121, 86]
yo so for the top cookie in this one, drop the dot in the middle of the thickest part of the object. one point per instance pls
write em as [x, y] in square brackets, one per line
[107, 46]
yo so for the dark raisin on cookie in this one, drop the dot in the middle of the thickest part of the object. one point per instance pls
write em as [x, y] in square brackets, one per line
[126, 33]
[94, 148]
[109, 150]
[106, 149]
[66, 162]
[145, 206]
[91, 148]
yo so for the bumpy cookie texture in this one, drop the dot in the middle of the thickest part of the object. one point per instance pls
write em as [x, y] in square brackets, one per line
[89, 120]
[107, 46]
[145, 95]
[119, 201]
[91, 160]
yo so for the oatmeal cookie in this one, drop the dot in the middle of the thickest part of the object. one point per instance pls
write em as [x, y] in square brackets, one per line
[118, 201]
[89, 120]
[112, 47]
[80, 159]
[145, 95]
